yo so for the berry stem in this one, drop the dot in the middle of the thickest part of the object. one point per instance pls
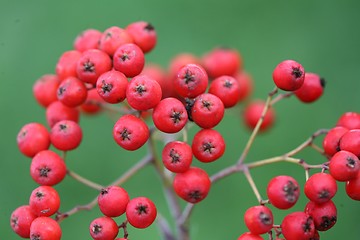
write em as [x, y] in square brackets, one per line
[165, 228]
[281, 96]
[252, 184]
[84, 181]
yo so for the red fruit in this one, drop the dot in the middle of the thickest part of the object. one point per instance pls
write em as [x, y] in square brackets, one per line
[33, 138]
[298, 225]
[44, 201]
[92, 104]
[208, 145]
[88, 39]
[111, 86]
[66, 135]
[113, 200]
[249, 236]
[245, 84]
[57, 111]
[157, 73]
[181, 60]
[349, 120]
[177, 156]
[289, 75]
[320, 187]
[344, 166]
[191, 81]
[113, 38]
[47, 168]
[227, 89]
[21, 219]
[141, 212]
[331, 142]
[103, 228]
[130, 132]
[253, 112]
[143, 93]
[129, 59]
[353, 188]
[193, 185]
[324, 215]
[66, 65]
[283, 192]
[350, 142]
[143, 34]
[45, 88]
[259, 219]
[311, 89]
[72, 92]
[207, 111]
[45, 228]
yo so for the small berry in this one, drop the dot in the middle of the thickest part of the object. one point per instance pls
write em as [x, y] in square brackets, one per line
[66, 65]
[21, 219]
[57, 111]
[349, 120]
[111, 86]
[289, 75]
[350, 142]
[72, 92]
[227, 89]
[344, 166]
[143, 34]
[353, 188]
[141, 212]
[129, 59]
[249, 236]
[103, 228]
[324, 215]
[191, 80]
[157, 73]
[92, 104]
[259, 219]
[320, 187]
[331, 142]
[297, 225]
[113, 38]
[208, 145]
[283, 192]
[33, 138]
[113, 200]
[311, 89]
[245, 84]
[45, 89]
[45, 228]
[66, 135]
[177, 156]
[88, 39]
[44, 201]
[252, 114]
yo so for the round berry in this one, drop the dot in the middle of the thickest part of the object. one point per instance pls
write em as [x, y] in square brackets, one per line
[331, 142]
[113, 200]
[143, 34]
[253, 112]
[181, 60]
[353, 188]
[88, 39]
[349, 120]
[129, 59]
[103, 228]
[111, 86]
[324, 215]
[141, 212]
[311, 89]
[177, 156]
[92, 104]
[283, 192]
[350, 142]
[344, 166]
[57, 111]
[245, 84]
[21, 219]
[33, 138]
[45, 89]
[191, 80]
[157, 73]
[297, 225]
[45, 228]
[320, 187]
[113, 38]
[249, 236]
[66, 135]
[66, 65]
[259, 219]
[44, 201]
[289, 75]
[208, 145]
[72, 92]
[227, 89]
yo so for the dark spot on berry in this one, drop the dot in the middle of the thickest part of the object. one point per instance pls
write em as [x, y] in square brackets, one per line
[142, 209]
[35, 237]
[108, 35]
[140, 89]
[195, 195]
[89, 66]
[351, 163]
[207, 147]
[125, 134]
[307, 225]
[327, 222]
[106, 87]
[323, 82]
[62, 127]
[124, 57]
[324, 194]
[14, 221]
[265, 219]
[290, 189]
[189, 77]
[104, 191]
[175, 157]
[43, 172]
[189, 103]
[206, 104]
[296, 72]
[228, 84]
[61, 91]
[149, 27]
[39, 195]
[176, 117]
[338, 147]
[96, 229]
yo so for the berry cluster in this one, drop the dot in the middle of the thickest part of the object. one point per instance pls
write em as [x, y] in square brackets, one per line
[106, 71]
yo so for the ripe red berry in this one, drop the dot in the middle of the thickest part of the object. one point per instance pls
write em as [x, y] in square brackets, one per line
[143, 93]
[45, 228]
[57, 111]
[130, 132]
[66, 135]
[45, 88]
[297, 225]
[193, 185]
[92, 104]
[170, 115]
[72, 92]
[143, 34]
[349, 120]
[21, 219]
[66, 65]
[177, 156]
[103, 228]
[249, 236]
[350, 141]
[324, 215]
[47, 168]
[283, 192]
[181, 60]
[344, 166]
[311, 89]
[320, 187]
[227, 89]
[113, 38]
[252, 115]
[113, 200]
[331, 142]
[141, 212]
[245, 84]
[353, 188]
[44, 201]
[157, 73]
[191, 80]
[289, 75]
[129, 59]
[33, 138]
[208, 145]
[88, 39]
[259, 219]
[111, 86]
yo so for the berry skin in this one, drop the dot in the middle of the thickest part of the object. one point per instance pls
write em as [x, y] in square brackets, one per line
[157, 73]
[47, 168]
[143, 93]
[350, 141]
[92, 104]
[320, 188]
[141, 212]
[129, 59]
[177, 156]
[253, 112]
[113, 38]
[245, 84]
[193, 185]
[21, 219]
[66, 65]
[297, 225]
[130, 132]
[324, 215]
[72, 92]
[45, 88]
[283, 192]
[349, 120]
[331, 142]
[44, 201]
[57, 111]
[191, 80]
[66, 135]
[143, 34]
[353, 188]
[289, 75]
[181, 60]
[33, 138]
[111, 86]
[113, 200]
[311, 89]
[170, 115]
[208, 145]
[249, 236]
[88, 39]
[45, 228]
[227, 89]
[207, 111]
[344, 166]
[259, 219]
[103, 228]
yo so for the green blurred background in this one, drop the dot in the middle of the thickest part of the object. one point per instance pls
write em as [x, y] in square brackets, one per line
[322, 35]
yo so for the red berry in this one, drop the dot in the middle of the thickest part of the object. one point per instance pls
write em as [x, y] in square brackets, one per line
[170, 115]
[57, 111]
[311, 89]
[111, 86]
[349, 120]
[181, 60]
[177, 156]
[252, 115]
[47, 168]
[87, 39]
[45, 88]
[141, 212]
[297, 225]
[45, 228]
[157, 73]
[113, 38]
[353, 188]
[66, 65]
[191, 81]
[344, 166]
[44, 201]
[350, 142]
[324, 215]
[289, 75]
[331, 142]
[320, 187]
[129, 59]
[227, 89]
[72, 92]
[245, 84]
[208, 145]
[283, 192]
[259, 219]
[92, 104]
[33, 138]
[113, 200]
[249, 236]
[143, 34]
[21, 219]
[193, 185]
[103, 228]
[130, 132]
[66, 135]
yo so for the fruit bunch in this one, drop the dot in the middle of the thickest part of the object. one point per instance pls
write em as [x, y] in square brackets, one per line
[107, 72]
